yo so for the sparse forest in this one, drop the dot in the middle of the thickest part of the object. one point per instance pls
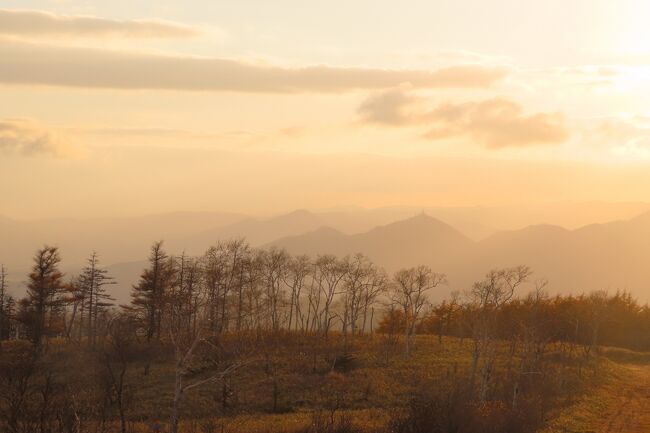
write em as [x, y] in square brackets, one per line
[330, 216]
[244, 340]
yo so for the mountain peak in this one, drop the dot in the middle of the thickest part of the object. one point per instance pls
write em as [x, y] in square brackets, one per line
[420, 226]
[645, 216]
[298, 214]
[422, 216]
[422, 219]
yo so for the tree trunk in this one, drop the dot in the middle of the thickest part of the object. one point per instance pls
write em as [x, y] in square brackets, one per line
[407, 344]
[120, 401]
[178, 395]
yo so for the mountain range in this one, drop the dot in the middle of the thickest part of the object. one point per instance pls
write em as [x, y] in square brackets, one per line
[611, 256]
[464, 243]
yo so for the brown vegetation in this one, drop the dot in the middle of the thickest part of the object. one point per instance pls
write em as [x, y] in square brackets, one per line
[241, 332]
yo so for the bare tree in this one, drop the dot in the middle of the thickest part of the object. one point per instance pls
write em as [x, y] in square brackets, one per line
[119, 353]
[488, 296]
[376, 286]
[186, 344]
[597, 315]
[275, 269]
[408, 292]
[299, 270]
[331, 272]
[534, 336]
[362, 284]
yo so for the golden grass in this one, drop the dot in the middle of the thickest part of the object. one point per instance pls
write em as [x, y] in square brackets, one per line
[617, 389]
[619, 402]
[368, 419]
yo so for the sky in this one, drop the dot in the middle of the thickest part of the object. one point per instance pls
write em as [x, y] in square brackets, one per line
[131, 107]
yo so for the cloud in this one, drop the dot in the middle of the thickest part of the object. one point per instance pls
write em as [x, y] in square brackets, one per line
[623, 131]
[38, 23]
[29, 138]
[624, 135]
[494, 123]
[26, 63]
[390, 107]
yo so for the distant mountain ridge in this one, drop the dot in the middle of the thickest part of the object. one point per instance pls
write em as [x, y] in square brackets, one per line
[259, 231]
[610, 256]
[395, 244]
[606, 255]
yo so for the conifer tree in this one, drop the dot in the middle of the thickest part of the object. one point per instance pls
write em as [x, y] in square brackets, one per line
[95, 300]
[4, 297]
[42, 308]
[150, 294]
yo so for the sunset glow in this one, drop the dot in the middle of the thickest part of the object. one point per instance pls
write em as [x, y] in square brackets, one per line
[145, 92]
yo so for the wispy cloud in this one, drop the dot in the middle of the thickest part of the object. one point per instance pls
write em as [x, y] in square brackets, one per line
[38, 23]
[28, 63]
[627, 136]
[113, 137]
[494, 123]
[29, 138]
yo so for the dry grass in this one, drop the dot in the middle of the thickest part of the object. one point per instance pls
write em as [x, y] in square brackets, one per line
[618, 403]
[380, 380]
[366, 419]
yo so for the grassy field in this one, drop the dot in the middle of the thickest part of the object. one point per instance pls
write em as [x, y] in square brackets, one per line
[375, 377]
[375, 382]
[619, 402]
[310, 380]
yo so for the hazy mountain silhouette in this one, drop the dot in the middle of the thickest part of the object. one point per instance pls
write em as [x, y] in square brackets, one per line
[116, 239]
[607, 255]
[610, 256]
[419, 239]
[125, 239]
[599, 256]
[256, 231]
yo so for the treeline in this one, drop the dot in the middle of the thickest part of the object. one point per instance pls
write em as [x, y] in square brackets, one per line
[586, 320]
[234, 288]
[231, 288]
[237, 308]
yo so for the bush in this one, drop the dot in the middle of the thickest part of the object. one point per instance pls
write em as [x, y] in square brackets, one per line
[450, 406]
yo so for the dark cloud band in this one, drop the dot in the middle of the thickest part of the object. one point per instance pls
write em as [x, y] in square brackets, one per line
[38, 23]
[27, 63]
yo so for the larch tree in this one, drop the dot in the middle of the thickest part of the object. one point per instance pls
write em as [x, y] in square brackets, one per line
[4, 302]
[149, 295]
[42, 306]
[214, 276]
[92, 284]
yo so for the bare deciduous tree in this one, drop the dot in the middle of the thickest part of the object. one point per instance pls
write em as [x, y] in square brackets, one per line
[408, 292]
[488, 296]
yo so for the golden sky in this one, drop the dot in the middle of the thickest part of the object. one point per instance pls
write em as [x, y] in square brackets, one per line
[131, 107]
